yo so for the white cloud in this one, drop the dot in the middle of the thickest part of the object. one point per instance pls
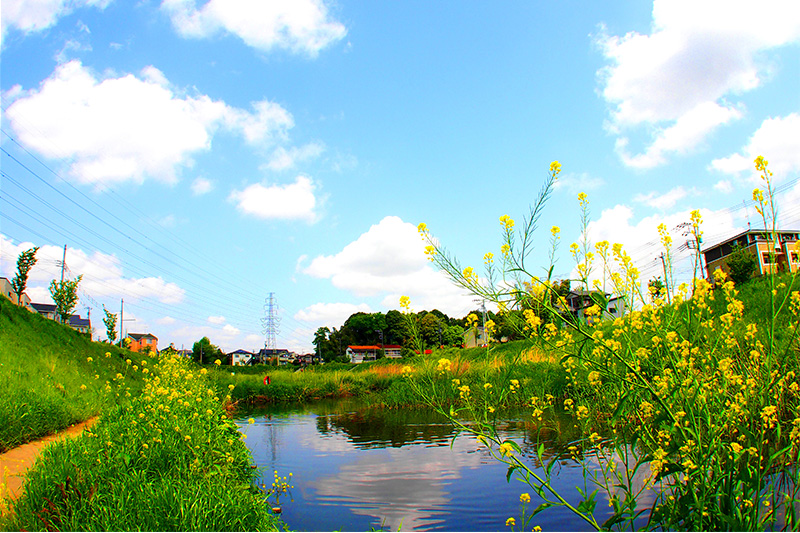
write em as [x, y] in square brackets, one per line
[723, 186]
[202, 186]
[102, 274]
[301, 26]
[166, 321]
[577, 183]
[230, 330]
[295, 201]
[283, 159]
[389, 261]
[687, 132]
[675, 80]
[29, 16]
[216, 320]
[332, 315]
[778, 140]
[129, 127]
[641, 241]
[662, 201]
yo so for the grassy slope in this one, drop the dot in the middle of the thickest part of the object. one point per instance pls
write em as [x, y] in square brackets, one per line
[43, 366]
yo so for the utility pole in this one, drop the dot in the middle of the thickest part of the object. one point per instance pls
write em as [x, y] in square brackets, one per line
[63, 264]
[121, 318]
[666, 281]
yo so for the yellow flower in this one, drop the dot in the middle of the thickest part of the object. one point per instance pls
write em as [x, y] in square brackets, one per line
[108, 354]
[507, 222]
[405, 302]
[555, 167]
[488, 258]
[422, 227]
[505, 249]
[89, 359]
[525, 497]
[444, 365]
[511, 522]
[506, 449]
[430, 251]
[761, 163]
[250, 420]
[83, 387]
[217, 362]
[555, 230]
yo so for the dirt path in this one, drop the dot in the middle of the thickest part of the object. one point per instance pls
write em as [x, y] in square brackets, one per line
[16, 462]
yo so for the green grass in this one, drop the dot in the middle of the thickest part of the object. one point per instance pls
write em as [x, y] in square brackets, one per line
[47, 380]
[167, 460]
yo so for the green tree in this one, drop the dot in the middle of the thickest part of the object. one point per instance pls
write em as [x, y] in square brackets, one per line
[206, 353]
[111, 325]
[431, 329]
[742, 264]
[25, 262]
[65, 295]
[321, 342]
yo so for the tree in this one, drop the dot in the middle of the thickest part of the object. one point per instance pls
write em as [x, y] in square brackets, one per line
[111, 325]
[65, 295]
[205, 353]
[25, 262]
[742, 264]
[320, 341]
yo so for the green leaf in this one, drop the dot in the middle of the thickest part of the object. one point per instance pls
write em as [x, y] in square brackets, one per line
[540, 508]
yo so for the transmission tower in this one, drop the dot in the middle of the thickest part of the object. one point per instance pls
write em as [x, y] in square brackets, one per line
[271, 322]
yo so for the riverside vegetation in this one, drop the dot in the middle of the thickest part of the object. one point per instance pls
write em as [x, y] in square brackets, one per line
[689, 408]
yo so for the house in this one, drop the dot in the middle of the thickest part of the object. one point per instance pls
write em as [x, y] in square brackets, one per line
[240, 357]
[140, 341]
[8, 291]
[83, 325]
[46, 310]
[265, 356]
[359, 354]
[392, 351]
[771, 256]
[474, 337]
[578, 301]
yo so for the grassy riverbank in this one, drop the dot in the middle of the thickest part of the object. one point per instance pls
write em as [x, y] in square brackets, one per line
[52, 376]
[381, 382]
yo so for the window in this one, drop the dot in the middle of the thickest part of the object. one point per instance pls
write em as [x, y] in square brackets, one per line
[795, 257]
[765, 258]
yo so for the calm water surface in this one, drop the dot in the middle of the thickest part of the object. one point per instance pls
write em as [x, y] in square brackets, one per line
[357, 468]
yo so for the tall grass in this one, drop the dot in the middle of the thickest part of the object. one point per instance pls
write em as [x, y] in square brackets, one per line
[691, 409]
[168, 460]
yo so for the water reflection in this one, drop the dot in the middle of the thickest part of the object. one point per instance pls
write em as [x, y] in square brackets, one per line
[358, 468]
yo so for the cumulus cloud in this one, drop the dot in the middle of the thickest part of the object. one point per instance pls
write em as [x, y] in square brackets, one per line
[283, 159]
[641, 241]
[115, 129]
[29, 16]
[301, 26]
[577, 183]
[675, 81]
[332, 315]
[295, 201]
[388, 261]
[662, 201]
[102, 274]
[216, 320]
[778, 140]
[202, 186]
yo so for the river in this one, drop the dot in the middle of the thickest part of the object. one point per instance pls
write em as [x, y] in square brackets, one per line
[356, 468]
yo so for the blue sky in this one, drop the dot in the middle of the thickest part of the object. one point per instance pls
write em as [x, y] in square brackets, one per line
[197, 156]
